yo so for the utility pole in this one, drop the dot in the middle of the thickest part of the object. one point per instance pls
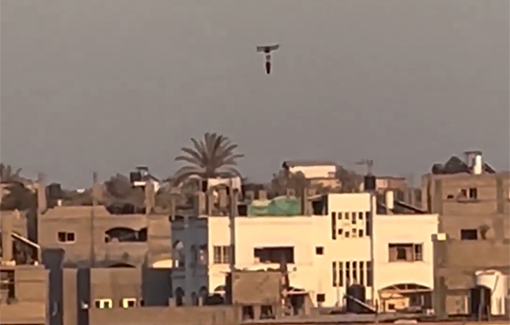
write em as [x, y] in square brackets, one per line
[369, 164]
[94, 195]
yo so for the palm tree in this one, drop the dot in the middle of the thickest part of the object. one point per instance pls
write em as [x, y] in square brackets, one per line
[8, 175]
[350, 181]
[214, 156]
[18, 197]
[284, 180]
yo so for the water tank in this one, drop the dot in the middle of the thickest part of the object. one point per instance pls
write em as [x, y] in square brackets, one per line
[54, 191]
[495, 284]
[355, 295]
[477, 164]
[369, 183]
[135, 177]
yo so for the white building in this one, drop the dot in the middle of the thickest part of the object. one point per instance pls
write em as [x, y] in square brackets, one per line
[324, 253]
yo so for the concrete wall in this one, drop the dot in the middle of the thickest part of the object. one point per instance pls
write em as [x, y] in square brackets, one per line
[404, 229]
[90, 247]
[219, 315]
[457, 260]
[31, 291]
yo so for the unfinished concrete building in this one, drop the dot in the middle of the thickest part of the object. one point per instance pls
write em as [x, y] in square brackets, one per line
[473, 202]
[90, 236]
[23, 280]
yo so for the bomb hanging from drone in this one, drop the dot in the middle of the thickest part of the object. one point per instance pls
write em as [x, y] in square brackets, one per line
[267, 49]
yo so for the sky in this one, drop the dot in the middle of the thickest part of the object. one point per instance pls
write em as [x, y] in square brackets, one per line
[109, 85]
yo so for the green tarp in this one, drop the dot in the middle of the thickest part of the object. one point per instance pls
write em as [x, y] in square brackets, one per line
[279, 206]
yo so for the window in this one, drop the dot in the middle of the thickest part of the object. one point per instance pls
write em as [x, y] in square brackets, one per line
[333, 225]
[266, 312]
[347, 215]
[334, 273]
[360, 233]
[360, 215]
[221, 254]
[468, 234]
[128, 303]
[348, 273]
[274, 255]
[463, 193]
[340, 232]
[347, 234]
[319, 250]
[354, 219]
[321, 297]
[405, 252]
[369, 274]
[341, 274]
[103, 303]
[66, 237]
[473, 193]
[362, 273]
[354, 272]
[202, 254]
[340, 214]
[418, 252]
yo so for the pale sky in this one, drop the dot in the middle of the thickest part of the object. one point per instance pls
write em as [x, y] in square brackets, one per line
[107, 85]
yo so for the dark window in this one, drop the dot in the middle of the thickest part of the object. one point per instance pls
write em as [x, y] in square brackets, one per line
[319, 250]
[463, 193]
[347, 234]
[369, 274]
[473, 193]
[418, 252]
[405, 252]
[333, 225]
[401, 254]
[348, 273]
[362, 273]
[247, 312]
[360, 215]
[450, 197]
[341, 274]
[65, 237]
[334, 273]
[266, 312]
[340, 232]
[321, 297]
[274, 254]
[468, 234]
[221, 254]
[360, 233]
[354, 272]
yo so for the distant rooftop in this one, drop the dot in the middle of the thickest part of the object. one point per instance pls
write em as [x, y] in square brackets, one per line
[455, 165]
[294, 163]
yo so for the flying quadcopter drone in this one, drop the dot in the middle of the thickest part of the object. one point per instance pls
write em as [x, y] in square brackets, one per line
[267, 49]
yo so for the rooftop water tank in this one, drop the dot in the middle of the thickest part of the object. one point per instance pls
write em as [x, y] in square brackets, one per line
[496, 282]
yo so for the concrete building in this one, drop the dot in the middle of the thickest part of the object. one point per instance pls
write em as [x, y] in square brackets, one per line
[348, 239]
[317, 172]
[91, 236]
[473, 202]
[23, 280]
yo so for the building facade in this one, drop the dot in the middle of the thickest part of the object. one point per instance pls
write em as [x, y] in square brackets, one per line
[473, 202]
[350, 243]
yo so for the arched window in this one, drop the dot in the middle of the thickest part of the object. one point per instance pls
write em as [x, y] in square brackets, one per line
[179, 296]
